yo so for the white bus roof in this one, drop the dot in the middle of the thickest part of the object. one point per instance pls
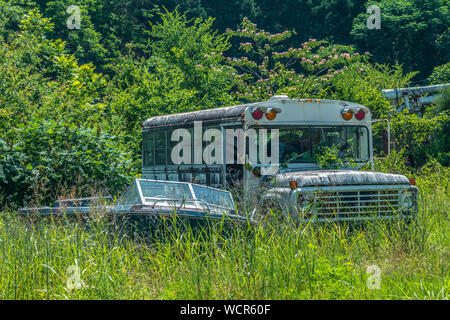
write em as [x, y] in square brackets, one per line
[312, 109]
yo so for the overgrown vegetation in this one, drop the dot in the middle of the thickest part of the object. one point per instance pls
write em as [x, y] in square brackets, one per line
[71, 107]
[176, 64]
[270, 261]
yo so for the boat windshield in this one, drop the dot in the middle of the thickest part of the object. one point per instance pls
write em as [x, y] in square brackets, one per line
[214, 196]
[165, 190]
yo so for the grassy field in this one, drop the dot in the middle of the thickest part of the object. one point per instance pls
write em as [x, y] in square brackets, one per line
[41, 260]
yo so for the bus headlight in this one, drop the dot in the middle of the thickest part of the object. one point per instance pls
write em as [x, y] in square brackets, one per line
[407, 200]
[305, 202]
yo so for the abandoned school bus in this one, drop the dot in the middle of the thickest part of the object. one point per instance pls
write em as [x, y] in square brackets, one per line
[277, 140]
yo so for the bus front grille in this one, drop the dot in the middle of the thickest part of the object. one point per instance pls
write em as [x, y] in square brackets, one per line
[357, 203]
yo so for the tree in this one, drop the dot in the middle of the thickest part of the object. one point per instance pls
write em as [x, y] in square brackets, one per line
[413, 33]
[197, 51]
[41, 80]
[362, 83]
[51, 119]
[267, 67]
[142, 89]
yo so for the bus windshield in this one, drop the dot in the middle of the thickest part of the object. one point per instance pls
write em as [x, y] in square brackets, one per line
[301, 144]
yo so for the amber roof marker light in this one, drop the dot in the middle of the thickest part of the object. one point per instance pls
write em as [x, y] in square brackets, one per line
[271, 113]
[347, 114]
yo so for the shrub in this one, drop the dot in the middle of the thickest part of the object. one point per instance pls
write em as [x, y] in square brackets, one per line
[434, 177]
[395, 162]
[50, 156]
[418, 136]
[441, 74]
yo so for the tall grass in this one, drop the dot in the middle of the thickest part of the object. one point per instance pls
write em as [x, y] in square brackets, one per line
[270, 260]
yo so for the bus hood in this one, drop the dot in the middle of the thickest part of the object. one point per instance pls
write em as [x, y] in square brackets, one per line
[338, 178]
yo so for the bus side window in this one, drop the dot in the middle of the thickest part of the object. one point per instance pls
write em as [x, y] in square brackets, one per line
[160, 148]
[364, 143]
[148, 149]
[234, 171]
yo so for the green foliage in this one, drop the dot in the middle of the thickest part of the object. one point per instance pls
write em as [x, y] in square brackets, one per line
[330, 19]
[26, 62]
[183, 72]
[51, 119]
[109, 25]
[413, 32]
[443, 104]
[328, 157]
[395, 162]
[440, 74]
[41, 80]
[67, 129]
[417, 134]
[266, 67]
[90, 43]
[145, 89]
[48, 156]
[194, 48]
[440, 139]
[11, 12]
[434, 177]
[362, 83]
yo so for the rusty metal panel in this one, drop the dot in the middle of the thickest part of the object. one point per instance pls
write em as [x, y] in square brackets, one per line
[220, 115]
[339, 177]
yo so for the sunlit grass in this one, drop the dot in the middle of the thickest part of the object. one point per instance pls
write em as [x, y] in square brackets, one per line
[267, 261]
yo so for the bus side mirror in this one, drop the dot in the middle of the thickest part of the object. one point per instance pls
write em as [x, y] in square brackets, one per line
[385, 135]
